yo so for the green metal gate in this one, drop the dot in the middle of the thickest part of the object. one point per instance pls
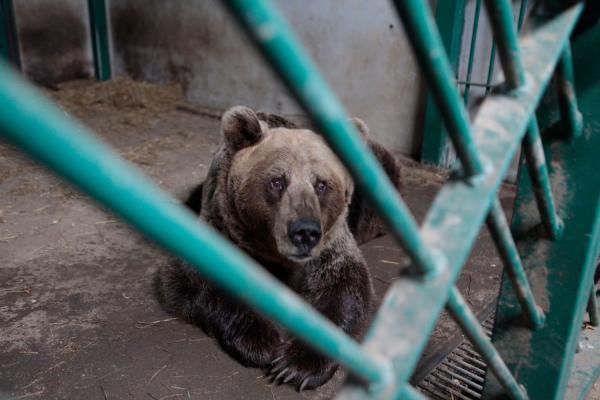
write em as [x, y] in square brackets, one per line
[536, 331]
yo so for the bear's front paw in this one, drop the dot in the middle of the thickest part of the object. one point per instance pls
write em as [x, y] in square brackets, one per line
[296, 364]
[253, 346]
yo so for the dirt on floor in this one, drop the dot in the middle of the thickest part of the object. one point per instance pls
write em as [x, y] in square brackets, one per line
[77, 317]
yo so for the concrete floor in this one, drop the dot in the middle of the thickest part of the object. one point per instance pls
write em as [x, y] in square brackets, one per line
[77, 318]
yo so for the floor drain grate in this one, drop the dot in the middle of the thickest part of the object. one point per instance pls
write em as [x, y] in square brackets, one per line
[460, 375]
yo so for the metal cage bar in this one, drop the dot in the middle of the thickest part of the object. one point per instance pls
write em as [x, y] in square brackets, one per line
[467, 82]
[9, 43]
[439, 249]
[414, 16]
[492, 61]
[461, 313]
[91, 165]
[265, 24]
[573, 121]
[561, 270]
[505, 37]
[99, 32]
[460, 208]
[429, 50]
[450, 19]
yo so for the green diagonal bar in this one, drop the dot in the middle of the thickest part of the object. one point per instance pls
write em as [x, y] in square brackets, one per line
[278, 43]
[400, 329]
[505, 37]
[42, 130]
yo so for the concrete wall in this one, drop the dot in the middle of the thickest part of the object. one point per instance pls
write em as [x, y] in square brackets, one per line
[358, 44]
[54, 39]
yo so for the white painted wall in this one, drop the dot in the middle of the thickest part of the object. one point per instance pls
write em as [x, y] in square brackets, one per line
[358, 44]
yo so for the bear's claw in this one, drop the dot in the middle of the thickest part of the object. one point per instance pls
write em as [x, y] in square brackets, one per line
[300, 366]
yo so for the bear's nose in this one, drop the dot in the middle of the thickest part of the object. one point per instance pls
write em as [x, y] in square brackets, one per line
[304, 233]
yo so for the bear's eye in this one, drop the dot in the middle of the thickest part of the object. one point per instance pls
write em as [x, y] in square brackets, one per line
[277, 184]
[321, 187]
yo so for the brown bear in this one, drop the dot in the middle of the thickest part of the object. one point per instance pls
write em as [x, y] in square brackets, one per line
[281, 195]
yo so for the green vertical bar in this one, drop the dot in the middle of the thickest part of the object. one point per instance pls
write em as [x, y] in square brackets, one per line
[450, 19]
[505, 37]
[99, 32]
[431, 56]
[513, 266]
[9, 44]
[490, 73]
[472, 52]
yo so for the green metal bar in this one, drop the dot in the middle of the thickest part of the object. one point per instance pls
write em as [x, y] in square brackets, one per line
[99, 31]
[472, 51]
[592, 307]
[536, 164]
[9, 43]
[514, 268]
[462, 314]
[42, 130]
[505, 37]
[265, 24]
[490, 73]
[573, 121]
[522, 9]
[560, 271]
[450, 19]
[491, 64]
[256, 19]
[400, 330]
[416, 14]
[428, 47]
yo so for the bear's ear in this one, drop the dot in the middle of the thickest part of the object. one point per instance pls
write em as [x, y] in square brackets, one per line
[363, 129]
[241, 128]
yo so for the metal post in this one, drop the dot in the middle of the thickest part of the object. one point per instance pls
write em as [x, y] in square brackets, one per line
[9, 43]
[472, 52]
[561, 270]
[99, 32]
[428, 48]
[460, 207]
[450, 19]
[505, 38]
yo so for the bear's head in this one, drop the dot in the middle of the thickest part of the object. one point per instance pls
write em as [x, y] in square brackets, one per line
[289, 191]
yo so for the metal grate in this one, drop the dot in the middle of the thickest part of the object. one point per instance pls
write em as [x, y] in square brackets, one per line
[460, 375]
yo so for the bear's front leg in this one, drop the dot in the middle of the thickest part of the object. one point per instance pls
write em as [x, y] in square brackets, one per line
[346, 303]
[248, 338]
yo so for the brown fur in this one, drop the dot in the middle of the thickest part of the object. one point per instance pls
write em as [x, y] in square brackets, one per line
[268, 176]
